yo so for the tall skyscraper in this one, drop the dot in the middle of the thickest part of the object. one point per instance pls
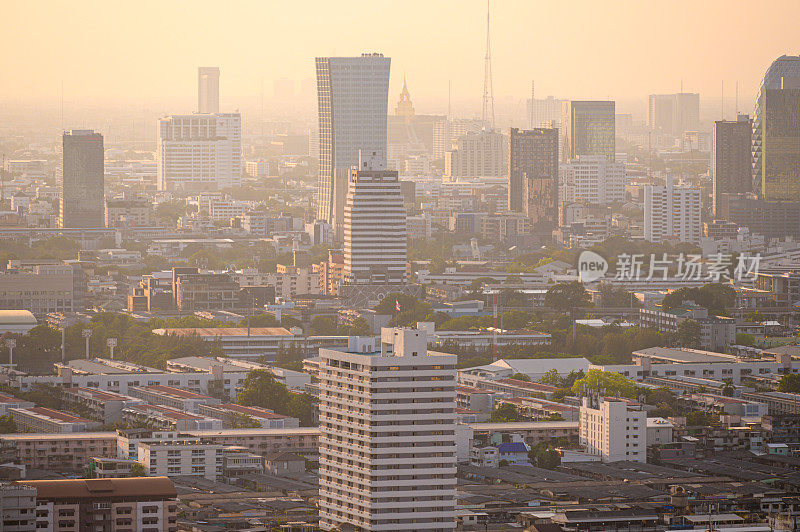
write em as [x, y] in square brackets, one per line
[375, 241]
[783, 73]
[674, 113]
[199, 152]
[672, 211]
[588, 128]
[780, 144]
[82, 185]
[544, 112]
[387, 447]
[533, 176]
[481, 154]
[353, 99]
[731, 164]
[208, 90]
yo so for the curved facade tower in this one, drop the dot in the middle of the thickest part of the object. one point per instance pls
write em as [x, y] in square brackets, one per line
[784, 72]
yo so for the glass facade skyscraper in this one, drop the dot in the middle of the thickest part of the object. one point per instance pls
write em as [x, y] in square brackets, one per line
[82, 183]
[780, 144]
[783, 73]
[588, 129]
[353, 97]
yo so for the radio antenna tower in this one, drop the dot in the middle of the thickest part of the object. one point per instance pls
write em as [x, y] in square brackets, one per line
[488, 93]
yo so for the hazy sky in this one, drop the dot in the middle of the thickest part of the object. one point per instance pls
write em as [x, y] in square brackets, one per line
[143, 51]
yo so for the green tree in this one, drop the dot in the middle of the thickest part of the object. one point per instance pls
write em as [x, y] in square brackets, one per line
[138, 470]
[243, 421]
[290, 357]
[699, 418]
[605, 383]
[261, 389]
[7, 425]
[411, 310]
[506, 413]
[612, 297]
[688, 334]
[360, 327]
[303, 406]
[521, 377]
[789, 383]
[745, 339]
[324, 326]
[552, 378]
[260, 320]
[544, 457]
[566, 296]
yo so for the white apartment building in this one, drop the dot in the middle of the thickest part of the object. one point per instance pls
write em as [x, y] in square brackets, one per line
[374, 225]
[387, 436]
[225, 209]
[199, 152]
[290, 281]
[672, 211]
[257, 169]
[481, 154]
[18, 508]
[185, 457]
[593, 179]
[615, 430]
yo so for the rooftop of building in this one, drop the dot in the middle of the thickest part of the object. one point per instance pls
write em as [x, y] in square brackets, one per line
[55, 415]
[225, 331]
[10, 399]
[102, 366]
[165, 411]
[532, 386]
[47, 436]
[300, 431]
[525, 425]
[254, 411]
[17, 317]
[172, 391]
[683, 355]
[534, 365]
[100, 395]
[93, 489]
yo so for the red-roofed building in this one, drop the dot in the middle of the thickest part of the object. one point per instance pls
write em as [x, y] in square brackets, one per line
[166, 418]
[233, 415]
[40, 419]
[177, 398]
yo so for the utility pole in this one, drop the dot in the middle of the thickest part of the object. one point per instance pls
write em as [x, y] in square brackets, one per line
[87, 333]
[11, 343]
[63, 345]
[111, 343]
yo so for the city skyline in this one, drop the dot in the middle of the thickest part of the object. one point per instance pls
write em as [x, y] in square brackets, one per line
[631, 64]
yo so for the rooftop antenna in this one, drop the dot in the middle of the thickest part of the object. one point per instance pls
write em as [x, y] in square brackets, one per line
[449, 96]
[488, 92]
[737, 99]
[722, 104]
[62, 105]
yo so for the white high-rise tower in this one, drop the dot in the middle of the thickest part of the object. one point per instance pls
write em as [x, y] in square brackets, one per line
[375, 241]
[208, 90]
[387, 452]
